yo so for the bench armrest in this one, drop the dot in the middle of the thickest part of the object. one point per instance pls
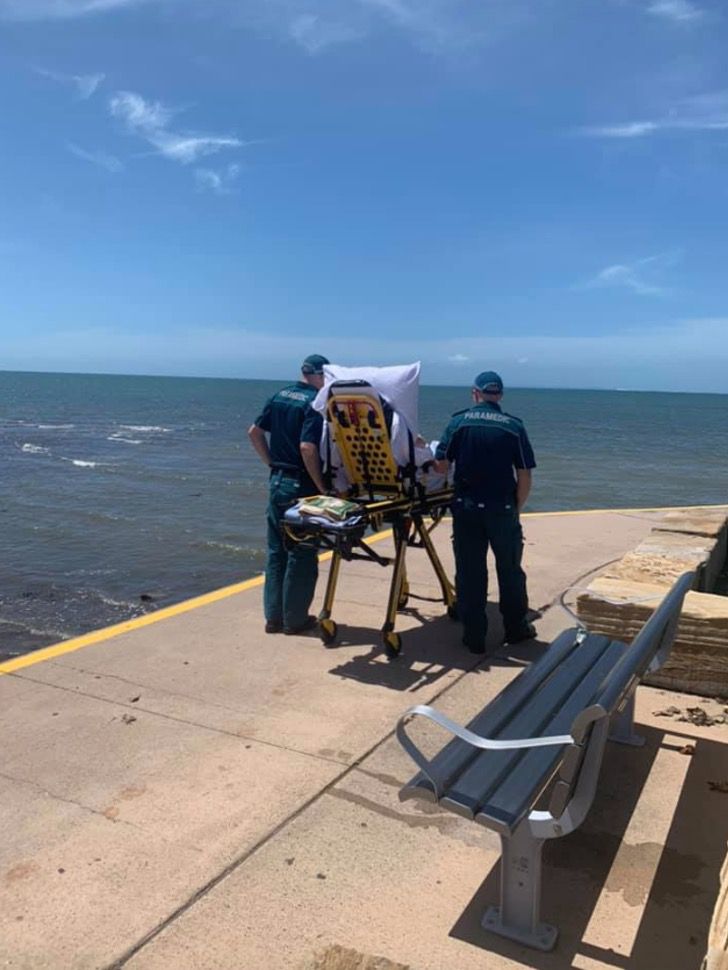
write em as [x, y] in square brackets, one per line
[487, 744]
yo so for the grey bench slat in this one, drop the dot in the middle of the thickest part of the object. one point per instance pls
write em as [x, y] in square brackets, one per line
[473, 787]
[455, 756]
[515, 795]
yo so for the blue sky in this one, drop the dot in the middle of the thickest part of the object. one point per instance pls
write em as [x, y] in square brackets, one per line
[218, 187]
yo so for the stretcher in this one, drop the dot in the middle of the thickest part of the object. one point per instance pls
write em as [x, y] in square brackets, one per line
[387, 495]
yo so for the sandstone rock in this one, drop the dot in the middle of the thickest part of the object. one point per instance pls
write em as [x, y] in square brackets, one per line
[708, 522]
[717, 955]
[695, 522]
[698, 663]
[663, 557]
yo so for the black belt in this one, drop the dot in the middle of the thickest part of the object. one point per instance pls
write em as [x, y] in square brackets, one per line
[290, 472]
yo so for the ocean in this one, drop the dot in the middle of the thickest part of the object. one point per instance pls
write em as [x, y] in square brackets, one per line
[119, 495]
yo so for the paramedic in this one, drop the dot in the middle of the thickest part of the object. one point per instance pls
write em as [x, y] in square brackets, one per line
[493, 461]
[291, 424]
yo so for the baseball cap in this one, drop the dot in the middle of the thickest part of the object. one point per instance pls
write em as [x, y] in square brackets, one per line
[314, 364]
[489, 381]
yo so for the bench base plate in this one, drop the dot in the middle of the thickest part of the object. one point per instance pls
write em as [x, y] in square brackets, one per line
[544, 938]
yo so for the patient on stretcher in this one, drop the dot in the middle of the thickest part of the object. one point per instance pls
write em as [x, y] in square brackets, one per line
[369, 439]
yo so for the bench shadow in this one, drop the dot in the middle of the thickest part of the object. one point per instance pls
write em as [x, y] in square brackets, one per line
[430, 650]
[678, 902]
[673, 932]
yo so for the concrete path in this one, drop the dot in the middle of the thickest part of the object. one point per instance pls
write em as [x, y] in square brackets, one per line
[192, 793]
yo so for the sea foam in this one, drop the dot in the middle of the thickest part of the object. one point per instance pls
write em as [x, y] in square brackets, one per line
[30, 449]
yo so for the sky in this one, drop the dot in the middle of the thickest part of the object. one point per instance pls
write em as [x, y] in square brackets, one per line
[220, 187]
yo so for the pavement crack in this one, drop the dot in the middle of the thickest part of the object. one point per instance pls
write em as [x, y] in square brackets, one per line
[138, 709]
[66, 801]
[204, 890]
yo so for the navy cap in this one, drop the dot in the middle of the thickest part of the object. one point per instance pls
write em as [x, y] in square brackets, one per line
[314, 364]
[489, 382]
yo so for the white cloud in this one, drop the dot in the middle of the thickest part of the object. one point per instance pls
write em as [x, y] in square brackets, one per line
[706, 112]
[150, 120]
[315, 34]
[666, 356]
[221, 182]
[102, 159]
[138, 113]
[458, 358]
[190, 148]
[85, 84]
[634, 276]
[58, 9]
[678, 11]
[437, 26]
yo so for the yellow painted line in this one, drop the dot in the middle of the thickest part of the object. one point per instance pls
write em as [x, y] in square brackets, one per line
[665, 508]
[109, 632]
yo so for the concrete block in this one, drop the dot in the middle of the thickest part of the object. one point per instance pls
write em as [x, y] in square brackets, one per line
[663, 557]
[698, 663]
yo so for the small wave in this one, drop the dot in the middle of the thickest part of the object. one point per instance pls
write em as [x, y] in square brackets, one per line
[79, 463]
[55, 427]
[143, 427]
[112, 602]
[126, 441]
[227, 546]
[35, 449]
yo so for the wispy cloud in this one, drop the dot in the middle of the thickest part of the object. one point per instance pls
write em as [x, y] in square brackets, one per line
[150, 120]
[706, 112]
[436, 26]
[678, 11]
[99, 158]
[58, 9]
[458, 358]
[315, 34]
[85, 84]
[637, 276]
[220, 181]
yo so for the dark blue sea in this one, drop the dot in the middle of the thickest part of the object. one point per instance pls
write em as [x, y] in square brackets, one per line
[119, 495]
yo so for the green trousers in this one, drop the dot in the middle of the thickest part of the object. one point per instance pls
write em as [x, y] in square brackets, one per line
[477, 526]
[290, 574]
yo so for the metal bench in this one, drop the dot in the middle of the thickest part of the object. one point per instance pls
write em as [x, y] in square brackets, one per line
[540, 742]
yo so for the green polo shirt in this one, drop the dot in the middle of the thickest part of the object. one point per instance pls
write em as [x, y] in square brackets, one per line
[289, 419]
[487, 445]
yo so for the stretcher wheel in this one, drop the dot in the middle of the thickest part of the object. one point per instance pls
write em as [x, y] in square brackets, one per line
[452, 611]
[328, 631]
[392, 644]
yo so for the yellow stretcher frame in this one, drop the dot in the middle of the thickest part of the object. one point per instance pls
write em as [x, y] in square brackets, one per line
[387, 495]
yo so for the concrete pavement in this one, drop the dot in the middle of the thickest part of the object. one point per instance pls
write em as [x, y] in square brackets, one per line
[191, 793]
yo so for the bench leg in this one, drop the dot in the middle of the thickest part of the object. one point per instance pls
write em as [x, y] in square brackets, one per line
[517, 917]
[621, 728]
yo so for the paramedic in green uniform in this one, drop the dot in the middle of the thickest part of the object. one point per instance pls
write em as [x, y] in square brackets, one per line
[493, 461]
[291, 424]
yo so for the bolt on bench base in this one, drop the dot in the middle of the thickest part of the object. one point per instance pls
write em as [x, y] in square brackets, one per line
[543, 938]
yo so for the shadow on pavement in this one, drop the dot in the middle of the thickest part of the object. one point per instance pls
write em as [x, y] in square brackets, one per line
[677, 902]
[429, 652]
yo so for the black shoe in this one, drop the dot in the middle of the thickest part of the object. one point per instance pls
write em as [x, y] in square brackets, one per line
[310, 623]
[274, 626]
[525, 632]
[474, 647]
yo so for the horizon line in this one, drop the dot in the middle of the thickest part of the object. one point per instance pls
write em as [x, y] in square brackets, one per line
[465, 384]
